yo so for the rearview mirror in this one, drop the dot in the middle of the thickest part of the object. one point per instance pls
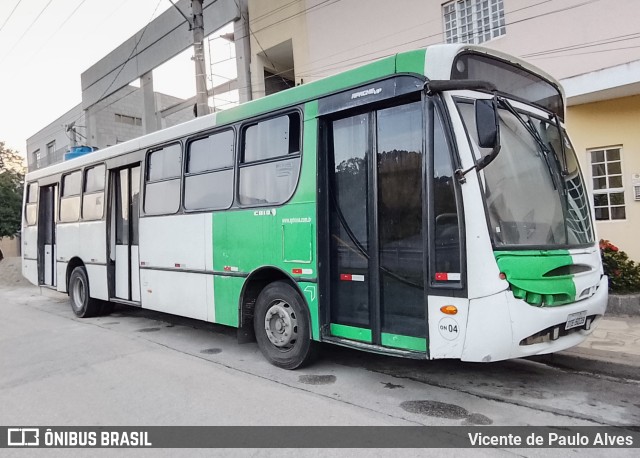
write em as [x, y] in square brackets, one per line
[487, 123]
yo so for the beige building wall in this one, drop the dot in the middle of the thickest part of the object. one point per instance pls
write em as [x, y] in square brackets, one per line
[9, 247]
[571, 37]
[277, 27]
[612, 123]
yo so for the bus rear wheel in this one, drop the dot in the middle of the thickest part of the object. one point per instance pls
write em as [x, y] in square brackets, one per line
[282, 326]
[81, 303]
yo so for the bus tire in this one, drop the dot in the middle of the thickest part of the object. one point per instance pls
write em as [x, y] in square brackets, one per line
[81, 303]
[282, 326]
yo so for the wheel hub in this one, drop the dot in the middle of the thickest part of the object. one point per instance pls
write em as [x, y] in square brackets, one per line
[78, 293]
[281, 325]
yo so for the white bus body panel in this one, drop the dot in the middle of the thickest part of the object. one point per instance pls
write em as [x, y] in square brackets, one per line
[135, 273]
[48, 265]
[30, 253]
[86, 241]
[122, 271]
[168, 241]
[179, 245]
[178, 293]
[97, 281]
[61, 270]
[447, 332]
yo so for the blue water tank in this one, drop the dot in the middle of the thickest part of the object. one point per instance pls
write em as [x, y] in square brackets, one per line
[77, 151]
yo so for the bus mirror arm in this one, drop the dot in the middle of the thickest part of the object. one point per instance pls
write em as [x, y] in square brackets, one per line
[488, 129]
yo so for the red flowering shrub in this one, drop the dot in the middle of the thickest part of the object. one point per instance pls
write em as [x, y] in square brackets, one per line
[624, 274]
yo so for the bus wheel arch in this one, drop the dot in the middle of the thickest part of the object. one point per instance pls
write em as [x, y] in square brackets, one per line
[78, 289]
[277, 311]
[73, 263]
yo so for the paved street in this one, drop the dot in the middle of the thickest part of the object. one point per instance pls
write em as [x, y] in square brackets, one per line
[137, 367]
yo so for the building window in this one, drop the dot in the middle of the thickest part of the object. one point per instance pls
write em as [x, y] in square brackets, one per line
[51, 148]
[608, 190]
[473, 21]
[126, 119]
[162, 188]
[36, 158]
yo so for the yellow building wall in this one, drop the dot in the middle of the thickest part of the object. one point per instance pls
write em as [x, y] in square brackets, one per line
[604, 124]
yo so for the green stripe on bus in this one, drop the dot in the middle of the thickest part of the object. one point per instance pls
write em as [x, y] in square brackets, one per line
[315, 89]
[411, 62]
[404, 342]
[525, 272]
[351, 332]
[227, 293]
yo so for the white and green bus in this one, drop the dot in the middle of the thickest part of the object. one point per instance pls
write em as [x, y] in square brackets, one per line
[427, 205]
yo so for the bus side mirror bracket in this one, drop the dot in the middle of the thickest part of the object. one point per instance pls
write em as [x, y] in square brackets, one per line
[488, 130]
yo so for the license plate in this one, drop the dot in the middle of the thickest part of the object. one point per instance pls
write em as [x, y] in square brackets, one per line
[576, 319]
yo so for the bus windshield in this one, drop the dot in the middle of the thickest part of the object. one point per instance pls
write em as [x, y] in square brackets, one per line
[534, 191]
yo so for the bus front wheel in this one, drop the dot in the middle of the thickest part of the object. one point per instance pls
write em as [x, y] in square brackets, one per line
[282, 327]
[81, 303]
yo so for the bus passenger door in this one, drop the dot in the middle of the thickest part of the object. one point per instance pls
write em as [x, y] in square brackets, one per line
[47, 235]
[376, 244]
[125, 193]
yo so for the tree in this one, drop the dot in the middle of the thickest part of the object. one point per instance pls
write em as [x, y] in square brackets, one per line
[11, 188]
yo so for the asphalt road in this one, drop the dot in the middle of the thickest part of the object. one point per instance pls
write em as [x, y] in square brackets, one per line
[138, 367]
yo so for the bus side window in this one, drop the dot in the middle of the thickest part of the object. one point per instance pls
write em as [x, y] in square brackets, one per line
[31, 209]
[208, 182]
[93, 195]
[70, 198]
[162, 184]
[270, 161]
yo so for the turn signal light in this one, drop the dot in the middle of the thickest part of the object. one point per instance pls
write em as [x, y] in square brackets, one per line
[449, 309]
[502, 276]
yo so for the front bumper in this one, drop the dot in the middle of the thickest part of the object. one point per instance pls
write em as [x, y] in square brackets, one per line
[498, 326]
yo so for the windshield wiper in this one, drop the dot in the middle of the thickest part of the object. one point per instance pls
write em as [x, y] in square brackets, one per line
[546, 151]
[563, 149]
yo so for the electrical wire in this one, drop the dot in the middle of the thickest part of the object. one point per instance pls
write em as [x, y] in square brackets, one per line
[10, 14]
[48, 40]
[24, 34]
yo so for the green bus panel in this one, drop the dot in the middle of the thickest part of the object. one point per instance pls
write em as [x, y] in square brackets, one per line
[351, 332]
[404, 342]
[525, 271]
[310, 292]
[227, 293]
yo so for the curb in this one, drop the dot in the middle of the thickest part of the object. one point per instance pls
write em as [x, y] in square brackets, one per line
[623, 304]
[618, 365]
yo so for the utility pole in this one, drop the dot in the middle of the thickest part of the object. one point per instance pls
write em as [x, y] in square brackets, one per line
[202, 104]
[71, 128]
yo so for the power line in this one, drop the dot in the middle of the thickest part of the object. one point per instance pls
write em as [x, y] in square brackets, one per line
[10, 14]
[48, 40]
[603, 41]
[27, 30]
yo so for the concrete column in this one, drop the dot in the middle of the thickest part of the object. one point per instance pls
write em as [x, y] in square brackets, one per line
[243, 52]
[149, 119]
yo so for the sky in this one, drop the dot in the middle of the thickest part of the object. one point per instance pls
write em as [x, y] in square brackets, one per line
[45, 45]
